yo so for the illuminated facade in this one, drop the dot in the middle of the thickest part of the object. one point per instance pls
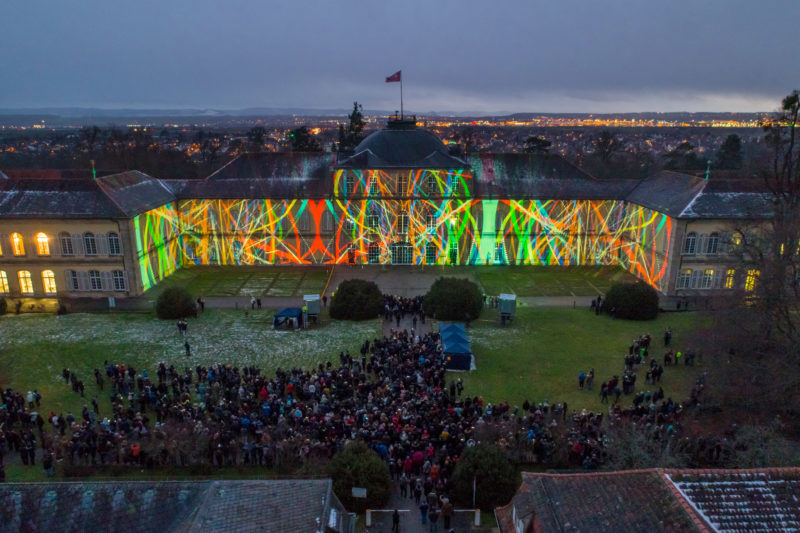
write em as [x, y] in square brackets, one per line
[400, 198]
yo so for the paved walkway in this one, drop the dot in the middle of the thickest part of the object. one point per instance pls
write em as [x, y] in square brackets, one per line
[411, 521]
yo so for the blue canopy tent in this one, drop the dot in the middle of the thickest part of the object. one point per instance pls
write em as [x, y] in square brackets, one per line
[455, 346]
[288, 317]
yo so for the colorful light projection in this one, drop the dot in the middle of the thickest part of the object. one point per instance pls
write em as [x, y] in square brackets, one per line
[158, 248]
[582, 232]
[256, 232]
[421, 183]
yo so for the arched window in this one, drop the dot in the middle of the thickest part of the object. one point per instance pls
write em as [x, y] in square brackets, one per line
[119, 280]
[114, 247]
[17, 246]
[95, 282]
[690, 243]
[42, 244]
[49, 282]
[89, 243]
[712, 244]
[73, 281]
[3, 282]
[66, 243]
[25, 283]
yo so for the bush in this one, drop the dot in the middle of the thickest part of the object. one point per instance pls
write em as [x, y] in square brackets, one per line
[358, 466]
[175, 302]
[496, 479]
[3, 306]
[453, 299]
[356, 299]
[634, 301]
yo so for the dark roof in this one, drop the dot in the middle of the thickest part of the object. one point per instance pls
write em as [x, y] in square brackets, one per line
[616, 501]
[134, 192]
[684, 196]
[264, 175]
[667, 192]
[163, 507]
[743, 500]
[401, 148]
[278, 166]
[656, 500]
[544, 176]
[55, 198]
[114, 196]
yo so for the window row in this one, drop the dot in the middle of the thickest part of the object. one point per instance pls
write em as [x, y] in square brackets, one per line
[93, 280]
[710, 244]
[429, 186]
[77, 244]
[26, 282]
[711, 278]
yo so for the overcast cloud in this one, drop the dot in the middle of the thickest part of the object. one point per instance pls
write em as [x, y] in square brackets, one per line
[459, 55]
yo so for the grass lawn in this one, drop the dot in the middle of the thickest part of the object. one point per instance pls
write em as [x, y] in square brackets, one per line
[541, 353]
[35, 348]
[550, 280]
[246, 281]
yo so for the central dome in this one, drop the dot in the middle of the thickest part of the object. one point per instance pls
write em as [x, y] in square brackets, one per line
[402, 147]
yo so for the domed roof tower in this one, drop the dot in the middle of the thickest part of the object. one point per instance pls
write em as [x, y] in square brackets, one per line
[402, 145]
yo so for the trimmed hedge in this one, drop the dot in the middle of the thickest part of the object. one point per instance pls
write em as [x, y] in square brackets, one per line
[356, 299]
[358, 466]
[175, 302]
[456, 299]
[633, 301]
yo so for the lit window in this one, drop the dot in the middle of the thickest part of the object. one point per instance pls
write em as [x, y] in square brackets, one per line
[90, 243]
[17, 247]
[42, 244]
[373, 254]
[402, 185]
[119, 280]
[25, 283]
[708, 276]
[684, 279]
[430, 254]
[114, 247]
[430, 223]
[94, 280]
[454, 252]
[730, 278]
[402, 224]
[430, 184]
[3, 282]
[690, 243]
[736, 242]
[500, 253]
[374, 222]
[66, 244]
[750, 281]
[49, 282]
[712, 245]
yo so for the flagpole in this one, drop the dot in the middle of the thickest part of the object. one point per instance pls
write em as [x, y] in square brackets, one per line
[401, 95]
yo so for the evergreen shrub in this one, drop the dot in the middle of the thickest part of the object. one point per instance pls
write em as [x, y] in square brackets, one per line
[633, 301]
[356, 299]
[175, 302]
[456, 299]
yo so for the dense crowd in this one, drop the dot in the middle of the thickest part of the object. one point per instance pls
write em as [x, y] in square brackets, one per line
[394, 396]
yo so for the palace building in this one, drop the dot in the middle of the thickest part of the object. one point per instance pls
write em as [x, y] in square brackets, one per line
[399, 198]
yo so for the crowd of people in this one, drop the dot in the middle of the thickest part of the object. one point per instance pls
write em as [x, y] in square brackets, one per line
[395, 396]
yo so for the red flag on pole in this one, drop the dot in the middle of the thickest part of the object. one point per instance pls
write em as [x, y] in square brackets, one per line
[394, 77]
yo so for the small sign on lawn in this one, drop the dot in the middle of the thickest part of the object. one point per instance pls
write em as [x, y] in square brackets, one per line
[359, 492]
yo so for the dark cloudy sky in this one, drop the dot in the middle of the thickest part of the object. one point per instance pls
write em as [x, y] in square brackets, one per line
[456, 55]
